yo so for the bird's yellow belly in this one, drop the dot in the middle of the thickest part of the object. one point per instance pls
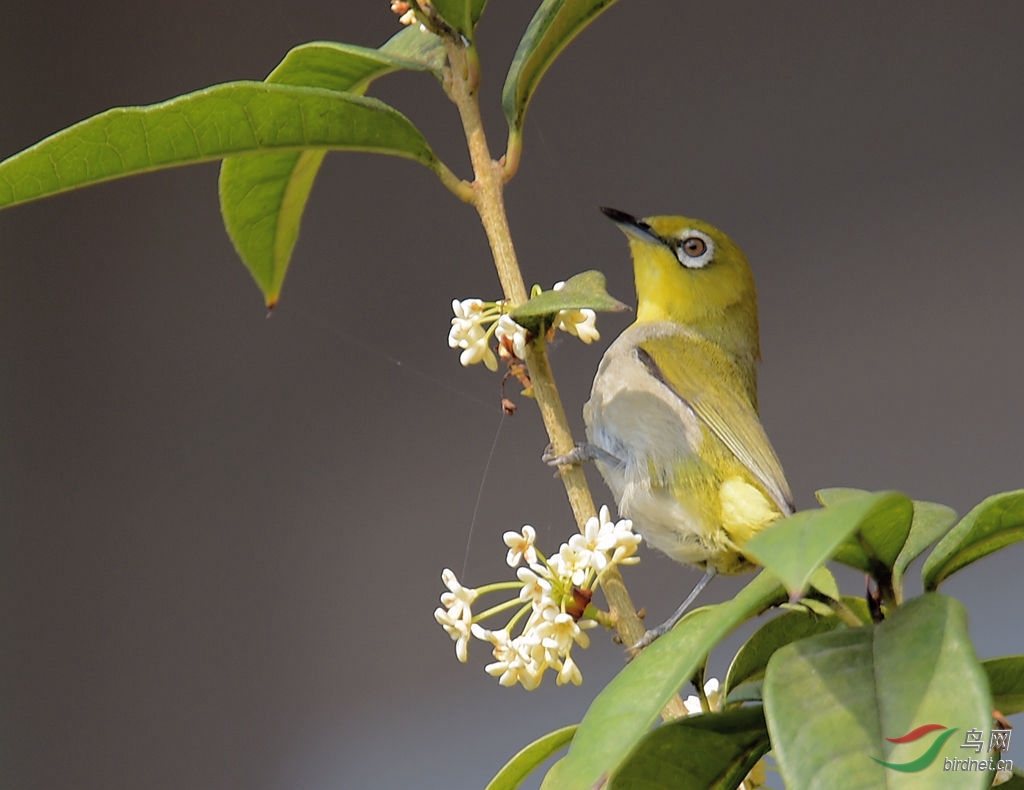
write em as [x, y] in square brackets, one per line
[693, 528]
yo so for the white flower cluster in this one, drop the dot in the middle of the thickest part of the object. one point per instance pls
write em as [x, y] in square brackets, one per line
[476, 321]
[553, 594]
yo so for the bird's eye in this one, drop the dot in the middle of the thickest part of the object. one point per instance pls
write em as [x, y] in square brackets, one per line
[694, 249]
[694, 246]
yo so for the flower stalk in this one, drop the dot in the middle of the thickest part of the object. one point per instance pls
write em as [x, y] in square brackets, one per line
[461, 83]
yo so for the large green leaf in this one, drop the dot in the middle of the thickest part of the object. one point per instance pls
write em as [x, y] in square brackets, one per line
[1006, 679]
[795, 547]
[262, 197]
[622, 713]
[233, 118]
[994, 524]
[460, 15]
[529, 758]
[709, 752]
[833, 700]
[554, 25]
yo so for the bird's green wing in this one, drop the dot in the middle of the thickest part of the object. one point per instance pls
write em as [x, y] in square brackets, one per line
[713, 383]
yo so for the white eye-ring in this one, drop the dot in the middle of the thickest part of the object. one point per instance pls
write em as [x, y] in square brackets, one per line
[694, 249]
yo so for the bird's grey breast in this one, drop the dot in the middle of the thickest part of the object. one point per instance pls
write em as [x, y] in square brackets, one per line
[634, 417]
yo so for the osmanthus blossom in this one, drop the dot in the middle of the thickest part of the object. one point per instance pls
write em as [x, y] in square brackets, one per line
[582, 323]
[511, 338]
[472, 327]
[476, 322]
[694, 706]
[548, 605]
[406, 13]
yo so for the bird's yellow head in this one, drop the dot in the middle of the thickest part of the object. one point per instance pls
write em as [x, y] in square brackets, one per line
[689, 272]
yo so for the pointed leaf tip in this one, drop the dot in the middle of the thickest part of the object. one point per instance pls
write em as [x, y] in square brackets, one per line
[554, 25]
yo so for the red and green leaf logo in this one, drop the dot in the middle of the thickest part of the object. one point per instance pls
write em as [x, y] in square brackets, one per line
[925, 759]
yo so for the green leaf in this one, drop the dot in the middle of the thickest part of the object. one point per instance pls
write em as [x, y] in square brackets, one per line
[233, 118]
[460, 15]
[992, 525]
[622, 713]
[263, 197]
[931, 521]
[795, 547]
[349, 68]
[710, 752]
[584, 290]
[744, 692]
[858, 607]
[825, 583]
[1006, 679]
[836, 496]
[880, 536]
[832, 700]
[751, 659]
[529, 758]
[416, 48]
[556, 23]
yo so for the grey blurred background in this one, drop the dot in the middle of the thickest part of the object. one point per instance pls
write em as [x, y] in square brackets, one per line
[222, 535]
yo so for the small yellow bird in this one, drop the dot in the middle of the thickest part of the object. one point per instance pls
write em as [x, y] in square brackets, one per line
[672, 418]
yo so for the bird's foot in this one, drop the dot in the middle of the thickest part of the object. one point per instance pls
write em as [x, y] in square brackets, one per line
[577, 455]
[581, 453]
[648, 638]
[677, 615]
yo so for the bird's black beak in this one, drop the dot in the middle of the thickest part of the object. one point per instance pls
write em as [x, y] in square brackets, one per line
[630, 225]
